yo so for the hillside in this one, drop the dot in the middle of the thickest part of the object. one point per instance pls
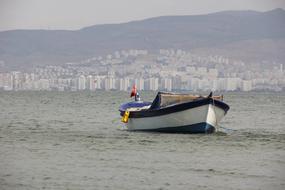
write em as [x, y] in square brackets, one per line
[212, 32]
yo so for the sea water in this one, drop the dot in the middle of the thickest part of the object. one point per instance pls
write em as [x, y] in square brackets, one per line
[74, 140]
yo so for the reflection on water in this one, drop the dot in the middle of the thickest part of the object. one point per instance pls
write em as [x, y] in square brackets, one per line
[52, 140]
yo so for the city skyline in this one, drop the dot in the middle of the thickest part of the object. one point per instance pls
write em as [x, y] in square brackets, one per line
[167, 70]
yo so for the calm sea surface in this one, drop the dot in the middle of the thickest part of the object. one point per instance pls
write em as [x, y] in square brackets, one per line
[71, 141]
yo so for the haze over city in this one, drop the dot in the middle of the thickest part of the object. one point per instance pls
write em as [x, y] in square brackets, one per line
[161, 45]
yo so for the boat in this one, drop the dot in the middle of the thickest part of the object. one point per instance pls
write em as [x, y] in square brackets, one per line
[174, 113]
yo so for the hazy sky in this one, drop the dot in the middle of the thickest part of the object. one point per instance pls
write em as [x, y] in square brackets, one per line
[75, 14]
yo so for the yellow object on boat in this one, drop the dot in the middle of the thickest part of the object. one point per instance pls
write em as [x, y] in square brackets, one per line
[125, 117]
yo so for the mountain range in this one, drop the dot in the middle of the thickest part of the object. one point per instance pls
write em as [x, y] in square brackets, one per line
[246, 35]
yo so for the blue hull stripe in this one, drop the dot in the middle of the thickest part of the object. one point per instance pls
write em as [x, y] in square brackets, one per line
[177, 107]
[195, 128]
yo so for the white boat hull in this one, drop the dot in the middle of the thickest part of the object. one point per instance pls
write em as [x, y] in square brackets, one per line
[202, 119]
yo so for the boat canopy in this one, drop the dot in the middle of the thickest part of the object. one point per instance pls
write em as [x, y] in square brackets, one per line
[164, 99]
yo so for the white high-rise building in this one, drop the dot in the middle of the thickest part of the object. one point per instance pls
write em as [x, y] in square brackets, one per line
[98, 82]
[233, 84]
[221, 84]
[193, 84]
[90, 83]
[202, 70]
[81, 82]
[153, 84]
[215, 85]
[124, 84]
[167, 84]
[110, 83]
[16, 80]
[6, 81]
[42, 84]
[246, 85]
[204, 85]
[139, 83]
